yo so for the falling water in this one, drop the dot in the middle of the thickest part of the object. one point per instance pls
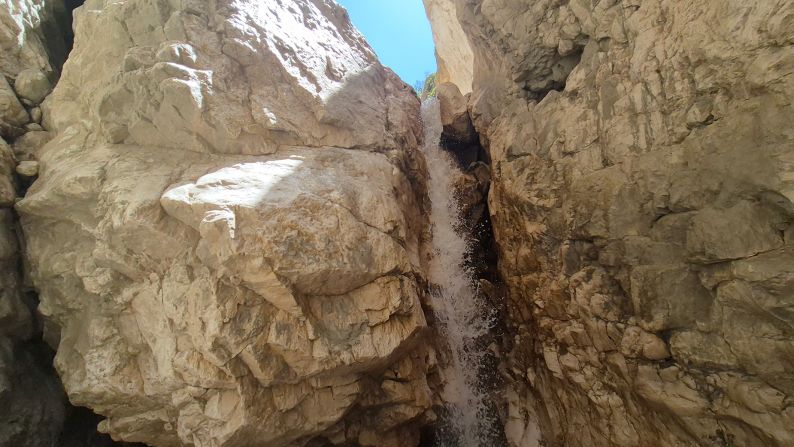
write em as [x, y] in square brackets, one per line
[462, 318]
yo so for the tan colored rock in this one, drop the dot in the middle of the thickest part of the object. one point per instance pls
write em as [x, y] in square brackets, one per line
[638, 343]
[13, 115]
[35, 115]
[754, 229]
[32, 40]
[29, 145]
[453, 53]
[28, 168]
[33, 36]
[641, 199]
[454, 113]
[32, 84]
[7, 166]
[227, 225]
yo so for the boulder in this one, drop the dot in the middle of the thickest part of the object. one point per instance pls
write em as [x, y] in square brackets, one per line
[7, 166]
[34, 34]
[32, 84]
[454, 114]
[28, 168]
[27, 146]
[13, 115]
[227, 226]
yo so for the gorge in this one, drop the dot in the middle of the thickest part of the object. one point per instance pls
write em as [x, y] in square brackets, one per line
[226, 223]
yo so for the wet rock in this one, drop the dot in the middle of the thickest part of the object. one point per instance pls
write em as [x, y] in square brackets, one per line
[641, 204]
[471, 190]
[454, 114]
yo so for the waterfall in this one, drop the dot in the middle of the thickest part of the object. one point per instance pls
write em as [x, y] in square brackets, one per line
[462, 318]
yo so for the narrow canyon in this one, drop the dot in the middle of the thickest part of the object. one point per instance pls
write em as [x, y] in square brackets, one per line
[225, 223]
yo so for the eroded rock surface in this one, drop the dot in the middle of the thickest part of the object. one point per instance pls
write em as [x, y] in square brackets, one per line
[453, 52]
[34, 35]
[32, 47]
[641, 199]
[227, 226]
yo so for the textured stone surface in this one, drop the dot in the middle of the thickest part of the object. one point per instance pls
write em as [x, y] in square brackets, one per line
[7, 184]
[30, 393]
[33, 35]
[453, 52]
[13, 115]
[32, 84]
[455, 114]
[227, 226]
[28, 168]
[28, 146]
[641, 199]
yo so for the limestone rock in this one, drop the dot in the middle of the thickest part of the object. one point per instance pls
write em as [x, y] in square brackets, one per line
[28, 168]
[29, 145]
[641, 199]
[32, 84]
[454, 113]
[35, 115]
[227, 225]
[12, 113]
[31, 397]
[7, 165]
[33, 35]
[453, 52]
[30, 394]
[267, 87]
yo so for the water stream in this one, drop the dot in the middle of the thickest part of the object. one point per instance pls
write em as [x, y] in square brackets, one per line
[461, 315]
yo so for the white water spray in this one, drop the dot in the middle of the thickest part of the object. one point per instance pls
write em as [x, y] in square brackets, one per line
[462, 317]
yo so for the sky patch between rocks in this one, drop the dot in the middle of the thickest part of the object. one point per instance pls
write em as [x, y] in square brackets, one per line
[399, 32]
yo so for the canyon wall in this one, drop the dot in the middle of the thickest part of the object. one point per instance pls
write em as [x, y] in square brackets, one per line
[641, 198]
[227, 230]
[225, 241]
[33, 44]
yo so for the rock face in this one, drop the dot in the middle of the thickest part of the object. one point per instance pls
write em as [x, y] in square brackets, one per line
[34, 40]
[453, 53]
[32, 47]
[227, 228]
[26, 384]
[33, 36]
[641, 197]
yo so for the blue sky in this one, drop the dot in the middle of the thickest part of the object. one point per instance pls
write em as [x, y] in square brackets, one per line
[399, 33]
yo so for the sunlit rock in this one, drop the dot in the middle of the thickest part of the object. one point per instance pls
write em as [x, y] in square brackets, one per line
[227, 226]
[641, 200]
[453, 51]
